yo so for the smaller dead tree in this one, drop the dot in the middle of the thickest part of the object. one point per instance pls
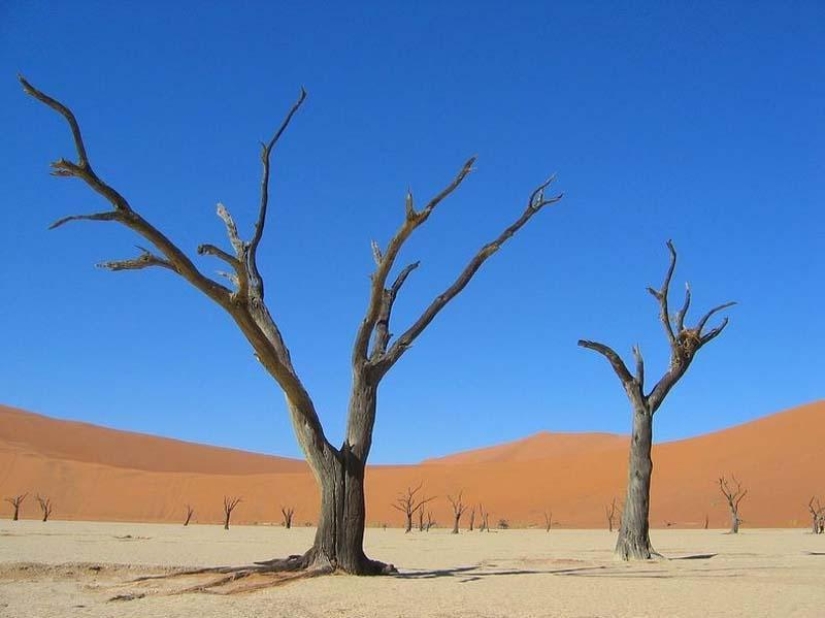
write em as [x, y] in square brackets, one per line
[610, 512]
[190, 511]
[408, 503]
[420, 519]
[429, 523]
[485, 519]
[817, 515]
[707, 520]
[288, 513]
[733, 492]
[45, 506]
[548, 521]
[472, 521]
[229, 505]
[16, 501]
[458, 509]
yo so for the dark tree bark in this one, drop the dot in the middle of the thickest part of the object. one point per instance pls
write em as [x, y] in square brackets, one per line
[548, 521]
[408, 504]
[429, 523]
[458, 510]
[472, 521]
[45, 506]
[190, 511]
[288, 513]
[685, 342]
[16, 501]
[707, 521]
[339, 471]
[229, 505]
[733, 492]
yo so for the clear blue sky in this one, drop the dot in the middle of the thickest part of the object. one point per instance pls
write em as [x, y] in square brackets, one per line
[703, 122]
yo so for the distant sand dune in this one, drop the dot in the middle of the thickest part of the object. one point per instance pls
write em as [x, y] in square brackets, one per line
[99, 474]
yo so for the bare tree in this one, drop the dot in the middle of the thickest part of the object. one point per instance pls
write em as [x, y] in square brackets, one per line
[339, 471]
[458, 509]
[190, 511]
[429, 523]
[610, 512]
[229, 505]
[16, 501]
[817, 514]
[733, 492]
[485, 519]
[472, 521]
[288, 513]
[45, 506]
[685, 342]
[548, 521]
[707, 521]
[408, 504]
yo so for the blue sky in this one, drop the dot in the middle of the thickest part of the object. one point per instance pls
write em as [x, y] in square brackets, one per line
[697, 121]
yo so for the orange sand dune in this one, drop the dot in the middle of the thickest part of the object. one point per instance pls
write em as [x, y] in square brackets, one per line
[101, 474]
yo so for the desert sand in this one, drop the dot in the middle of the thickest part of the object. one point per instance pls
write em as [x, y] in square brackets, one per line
[98, 474]
[88, 569]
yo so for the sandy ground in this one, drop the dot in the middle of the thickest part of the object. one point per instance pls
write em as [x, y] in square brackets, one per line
[88, 569]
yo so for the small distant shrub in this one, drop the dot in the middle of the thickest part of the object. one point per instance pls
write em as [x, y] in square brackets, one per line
[503, 524]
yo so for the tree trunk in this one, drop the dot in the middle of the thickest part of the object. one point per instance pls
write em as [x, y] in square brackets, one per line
[634, 536]
[734, 524]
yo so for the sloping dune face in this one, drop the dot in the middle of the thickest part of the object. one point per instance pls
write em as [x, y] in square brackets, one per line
[94, 473]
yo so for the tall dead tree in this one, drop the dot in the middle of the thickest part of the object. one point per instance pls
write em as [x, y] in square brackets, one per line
[472, 518]
[685, 342]
[548, 521]
[339, 472]
[229, 505]
[190, 511]
[288, 513]
[408, 503]
[458, 509]
[485, 519]
[610, 512]
[733, 492]
[16, 501]
[817, 515]
[45, 506]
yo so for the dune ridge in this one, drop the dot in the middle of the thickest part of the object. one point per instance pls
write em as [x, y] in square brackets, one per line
[98, 474]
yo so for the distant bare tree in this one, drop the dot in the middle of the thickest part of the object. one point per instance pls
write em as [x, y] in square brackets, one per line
[634, 534]
[288, 512]
[190, 511]
[817, 515]
[45, 506]
[458, 509]
[548, 521]
[16, 501]
[707, 521]
[733, 493]
[610, 512]
[430, 522]
[229, 505]
[408, 504]
[420, 512]
[338, 471]
[472, 519]
[485, 519]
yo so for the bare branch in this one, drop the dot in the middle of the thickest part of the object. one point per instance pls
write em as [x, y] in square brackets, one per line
[704, 319]
[536, 202]
[411, 222]
[382, 333]
[640, 367]
[144, 260]
[232, 231]
[83, 160]
[680, 316]
[614, 359]
[112, 215]
[662, 293]
[266, 155]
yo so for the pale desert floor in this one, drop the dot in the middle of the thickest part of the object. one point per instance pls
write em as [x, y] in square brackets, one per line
[88, 569]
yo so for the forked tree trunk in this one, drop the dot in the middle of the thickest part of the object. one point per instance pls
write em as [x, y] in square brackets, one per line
[634, 531]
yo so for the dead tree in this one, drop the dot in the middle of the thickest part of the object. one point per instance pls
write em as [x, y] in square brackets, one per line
[610, 512]
[685, 342]
[408, 504]
[472, 521]
[45, 506]
[339, 472]
[16, 501]
[485, 519]
[817, 515]
[190, 511]
[733, 493]
[458, 509]
[229, 505]
[420, 512]
[548, 521]
[429, 523]
[288, 512]
[707, 521]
